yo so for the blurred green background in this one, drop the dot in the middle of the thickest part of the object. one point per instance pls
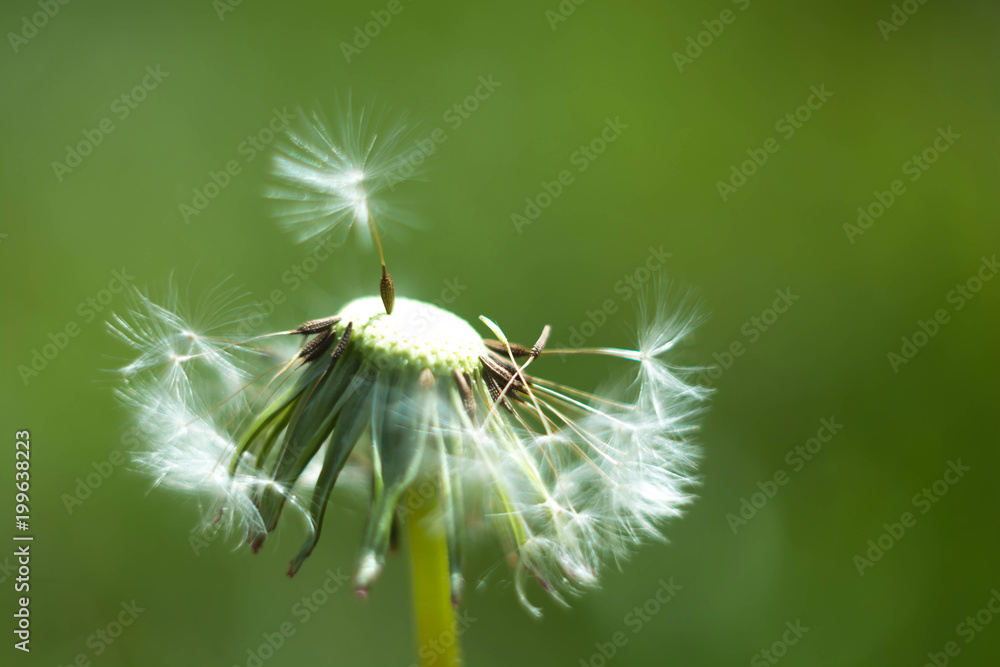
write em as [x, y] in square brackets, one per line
[690, 118]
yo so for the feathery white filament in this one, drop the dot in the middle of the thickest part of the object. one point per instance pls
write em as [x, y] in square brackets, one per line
[330, 178]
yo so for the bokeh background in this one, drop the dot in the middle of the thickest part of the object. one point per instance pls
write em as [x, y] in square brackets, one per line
[688, 122]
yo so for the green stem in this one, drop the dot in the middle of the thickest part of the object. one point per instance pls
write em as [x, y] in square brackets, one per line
[437, 638]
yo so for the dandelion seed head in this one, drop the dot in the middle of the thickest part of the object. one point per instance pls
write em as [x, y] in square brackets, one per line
[567, 480]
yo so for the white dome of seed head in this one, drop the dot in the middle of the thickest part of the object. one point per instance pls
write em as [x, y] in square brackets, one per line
[416, 335]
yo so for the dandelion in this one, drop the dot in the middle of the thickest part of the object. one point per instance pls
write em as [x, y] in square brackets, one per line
[451, 429]
[331, 178]
[445, 429]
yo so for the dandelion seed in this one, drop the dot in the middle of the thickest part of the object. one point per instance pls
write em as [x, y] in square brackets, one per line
[331, 178]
